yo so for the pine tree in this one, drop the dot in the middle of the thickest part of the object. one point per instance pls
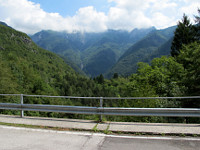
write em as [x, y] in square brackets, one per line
[115, 75]
[197, 18]
[184, 34]
[190, 58]
[197, 27]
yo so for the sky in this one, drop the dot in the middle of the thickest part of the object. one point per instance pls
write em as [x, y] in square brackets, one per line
[31, 16]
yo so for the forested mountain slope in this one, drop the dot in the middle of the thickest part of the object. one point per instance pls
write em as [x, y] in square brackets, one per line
[155, 44]
[26, 68]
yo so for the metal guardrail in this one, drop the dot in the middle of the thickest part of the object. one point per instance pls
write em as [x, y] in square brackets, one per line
[169, 112]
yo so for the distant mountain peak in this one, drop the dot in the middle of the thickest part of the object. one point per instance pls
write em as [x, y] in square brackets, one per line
[140, 29]
[3, 23]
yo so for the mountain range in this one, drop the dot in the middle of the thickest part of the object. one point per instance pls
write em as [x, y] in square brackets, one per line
[109, 52]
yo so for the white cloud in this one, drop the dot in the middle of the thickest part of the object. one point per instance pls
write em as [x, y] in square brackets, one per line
[190, 9]
[30, 18]
[145, 13]
[161, 5]
[124, 19]
[124, 14]
[88, 19]
[27, 16]
[139, 14]
[162, 21]
[132, 4]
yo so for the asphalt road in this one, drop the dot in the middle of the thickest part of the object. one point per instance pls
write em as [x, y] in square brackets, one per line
[12, 138]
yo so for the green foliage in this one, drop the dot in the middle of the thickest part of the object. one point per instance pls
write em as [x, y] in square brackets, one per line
[99, 79]
[190, 58]
[164, 75]
[186, 48]
[115, 76]
[28, 69]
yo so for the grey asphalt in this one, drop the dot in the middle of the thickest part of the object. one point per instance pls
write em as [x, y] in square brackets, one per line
[124, 127]
[17, 138]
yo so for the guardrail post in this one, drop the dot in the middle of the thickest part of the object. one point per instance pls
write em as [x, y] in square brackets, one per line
[101, 105]
[22, 102]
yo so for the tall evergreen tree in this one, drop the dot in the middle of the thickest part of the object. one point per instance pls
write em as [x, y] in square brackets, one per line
[184, 34]
[197, 27]
[197, 18]
[190, 58]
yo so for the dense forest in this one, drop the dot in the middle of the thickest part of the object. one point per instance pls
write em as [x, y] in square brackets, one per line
[28, 69]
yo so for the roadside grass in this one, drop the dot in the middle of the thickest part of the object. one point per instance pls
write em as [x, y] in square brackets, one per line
[95, 129]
